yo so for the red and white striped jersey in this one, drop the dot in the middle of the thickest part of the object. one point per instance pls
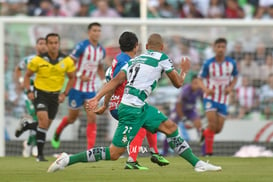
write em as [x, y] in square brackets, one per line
[88, 59]
[246, 96]
[217, 76]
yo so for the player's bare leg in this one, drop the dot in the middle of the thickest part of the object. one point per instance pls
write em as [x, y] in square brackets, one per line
[220, 124]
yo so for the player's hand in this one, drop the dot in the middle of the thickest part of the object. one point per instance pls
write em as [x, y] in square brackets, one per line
[100, 110]
[209, 92]
[62, 97]
[91, 104]
[228, 90]
[85, 78]
[30, 95]
[185, 64]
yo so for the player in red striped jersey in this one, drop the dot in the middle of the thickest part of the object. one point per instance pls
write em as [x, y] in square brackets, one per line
[218, 77]
[88, 55]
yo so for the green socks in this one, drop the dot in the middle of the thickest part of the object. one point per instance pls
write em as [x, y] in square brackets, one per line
[91, 155]
[181, 147]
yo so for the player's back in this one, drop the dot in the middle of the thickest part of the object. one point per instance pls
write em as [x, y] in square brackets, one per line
[88, 58]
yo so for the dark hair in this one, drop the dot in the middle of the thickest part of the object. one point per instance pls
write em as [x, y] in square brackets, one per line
[52, 35]
[220, 40]
[127, 41]
[194, 77]
[38, 40]
[93, 24]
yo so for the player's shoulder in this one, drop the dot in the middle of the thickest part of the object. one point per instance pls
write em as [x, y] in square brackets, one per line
[209, 61]
[230, 59]
[122, 58]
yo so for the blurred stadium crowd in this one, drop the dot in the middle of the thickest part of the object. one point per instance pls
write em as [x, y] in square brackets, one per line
[233, 9]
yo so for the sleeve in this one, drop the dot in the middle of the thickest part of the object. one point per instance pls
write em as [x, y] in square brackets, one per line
[22, 64]
[78, 51]
[32, 65]
[70, 65]
[235, 70]
[116, 69]
[204, 72]
[125, 68]
[166, 63]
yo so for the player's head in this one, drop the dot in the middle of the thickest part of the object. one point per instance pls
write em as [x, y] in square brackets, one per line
[155, 42]
[194, 83]
[41, 45]
[128, 42]
[220, 46]
[53, 42]
[94, 31]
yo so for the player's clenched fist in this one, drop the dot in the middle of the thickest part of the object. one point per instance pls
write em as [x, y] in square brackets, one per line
[185, 64]
[91, 104]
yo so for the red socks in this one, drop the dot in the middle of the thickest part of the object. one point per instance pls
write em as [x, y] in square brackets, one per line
[91, 132]
[209, 139]
[152, 140]
[62, 125]
[136, 143]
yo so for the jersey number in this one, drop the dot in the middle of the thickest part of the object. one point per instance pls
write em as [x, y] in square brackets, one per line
[133, 73]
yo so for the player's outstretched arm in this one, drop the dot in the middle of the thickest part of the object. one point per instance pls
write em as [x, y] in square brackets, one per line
[107, 88]
[176, 78]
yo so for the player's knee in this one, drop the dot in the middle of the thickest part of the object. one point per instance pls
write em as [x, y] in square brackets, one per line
[168, 127]
[115, 152]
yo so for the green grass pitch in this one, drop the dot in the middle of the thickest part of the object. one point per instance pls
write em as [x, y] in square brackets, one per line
[18, 169]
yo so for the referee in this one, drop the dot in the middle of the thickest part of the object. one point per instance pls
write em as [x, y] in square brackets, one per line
[50, 69]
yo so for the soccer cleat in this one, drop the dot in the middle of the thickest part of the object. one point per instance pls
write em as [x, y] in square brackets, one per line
[21, 128]
[55, 142]
[41, 158]
[202, 166]
[135, 165]
[60, 163]
[34, 151]
[26, 149]
[159, 159]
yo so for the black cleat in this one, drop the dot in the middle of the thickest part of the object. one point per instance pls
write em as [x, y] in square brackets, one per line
[22, 127]
[41, 158]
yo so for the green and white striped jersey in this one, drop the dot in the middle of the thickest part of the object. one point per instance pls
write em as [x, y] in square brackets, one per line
[24, 62]
[143, 73]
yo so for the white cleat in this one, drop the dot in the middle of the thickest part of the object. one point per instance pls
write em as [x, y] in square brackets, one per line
[202, 166]
[26, 149]
[60, 163]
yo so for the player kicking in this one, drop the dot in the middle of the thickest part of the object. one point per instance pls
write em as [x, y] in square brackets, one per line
[89, 55]
[128, 42]
[185, 108]
[218, 77]
[142, 74]
[30, 145]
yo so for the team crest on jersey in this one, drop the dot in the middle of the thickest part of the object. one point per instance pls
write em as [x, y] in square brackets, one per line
[208, 105]
[124, 139]
[62, 65]
[73, 103]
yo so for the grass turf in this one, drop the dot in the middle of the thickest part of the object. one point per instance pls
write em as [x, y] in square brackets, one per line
[17, 169]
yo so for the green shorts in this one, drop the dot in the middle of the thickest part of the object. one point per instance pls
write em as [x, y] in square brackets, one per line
[131, 119]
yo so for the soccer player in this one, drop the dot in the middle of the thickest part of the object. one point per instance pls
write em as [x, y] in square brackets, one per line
[89, 55]
[142, 74]
[50, 69]
[218, 77]
[185, 107]
[128, 42]
[30, 144]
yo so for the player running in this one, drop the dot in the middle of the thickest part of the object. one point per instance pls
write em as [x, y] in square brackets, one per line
[142, 74]
[185, 107]
[128, 42]
[29, 146]
[218, 77]
[89, 55]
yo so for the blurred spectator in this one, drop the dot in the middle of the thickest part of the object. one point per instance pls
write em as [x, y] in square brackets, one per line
[127, 8]
[165, 10]
[103, 10]
[266, 98]
[246, 95]
[69, 7]
[152, 6]
[237, 52]
[189, 10]
[56, 10]
[262, 10]
[260, 53]
[84, 9]
[44, 9]
[14, 7]
[248, 64]
[267, 68]
[233, 10]
[216, 9]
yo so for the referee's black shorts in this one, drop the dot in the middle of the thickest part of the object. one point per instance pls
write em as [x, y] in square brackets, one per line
[46, 101]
